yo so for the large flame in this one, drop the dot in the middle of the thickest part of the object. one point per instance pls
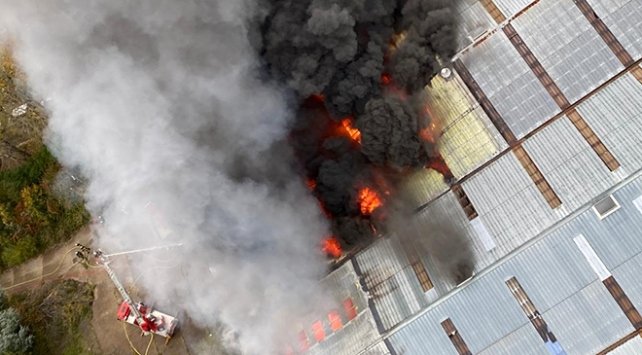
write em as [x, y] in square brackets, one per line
[351, 131]
[332, 247]
[368, 201]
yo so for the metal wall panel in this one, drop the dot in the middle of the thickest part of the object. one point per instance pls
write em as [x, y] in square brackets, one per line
[569, 48]
[569, 164]
[511, 7]
[510, 85]
[510, 204]
[615, 114]
[622, 17]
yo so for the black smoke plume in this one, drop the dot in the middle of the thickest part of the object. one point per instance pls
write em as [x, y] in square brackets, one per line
[430, 35]
[365, 61]
[445, 243]
[389, 129]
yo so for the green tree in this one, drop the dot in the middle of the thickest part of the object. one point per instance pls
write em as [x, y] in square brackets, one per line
[15, 339]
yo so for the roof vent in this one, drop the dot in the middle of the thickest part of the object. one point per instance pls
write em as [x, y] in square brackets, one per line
[606, 206]
[446, 73]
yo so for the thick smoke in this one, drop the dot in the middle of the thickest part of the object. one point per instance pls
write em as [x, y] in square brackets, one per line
[389, 129]
[433, 235]
[335, 47]
[156, 103]
[430, 35]
[364, 60]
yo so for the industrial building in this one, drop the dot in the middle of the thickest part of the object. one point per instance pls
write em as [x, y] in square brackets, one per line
[541, 125]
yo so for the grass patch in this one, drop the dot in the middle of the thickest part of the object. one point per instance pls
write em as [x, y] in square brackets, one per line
[55, 315]
[32, 218]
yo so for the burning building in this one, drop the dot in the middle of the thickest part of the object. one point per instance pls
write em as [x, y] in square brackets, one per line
[358, 71]
[494, 139]
[543, 206]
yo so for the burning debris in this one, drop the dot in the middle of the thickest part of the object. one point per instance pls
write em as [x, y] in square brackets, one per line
[358, 69]
[369, 201]
[332, 247]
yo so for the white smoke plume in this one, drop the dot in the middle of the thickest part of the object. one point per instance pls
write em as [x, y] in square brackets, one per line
[158, 104]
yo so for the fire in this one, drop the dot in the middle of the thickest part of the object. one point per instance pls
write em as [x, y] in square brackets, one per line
[332, 247]
[311, 183]
[352, 132]
[386, 79]
[317, 97]
[430, 133]
[427, 134]
[368, 201]
[439, 164]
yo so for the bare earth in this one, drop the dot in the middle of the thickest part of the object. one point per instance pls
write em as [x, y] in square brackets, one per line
[104, 334]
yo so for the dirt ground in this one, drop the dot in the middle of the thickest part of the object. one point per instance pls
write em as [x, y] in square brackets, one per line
[104, 334]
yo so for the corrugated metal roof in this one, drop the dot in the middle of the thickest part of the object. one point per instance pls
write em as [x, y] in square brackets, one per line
[553, 272]
[569, 48]
[631, 347]
[355, 336]
[628, 275]
[511, 7]
[446, 210]
[381, 261]
[588, 321]
[509, 203]
[398, 297]
[344, 283]
[614, 114]
[468, 138]
[569, 164]
[422, 186]
[622, 17]
[392, 284]
[341, 284]
[509, 83]
[473, 22]
[522, 341]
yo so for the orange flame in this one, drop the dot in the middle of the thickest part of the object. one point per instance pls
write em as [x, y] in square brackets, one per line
[332, 247]
[427, 134]
[352, 132]
[368, 201]
[311, 183]
[431, 132]
[386, 79]
[439, 164]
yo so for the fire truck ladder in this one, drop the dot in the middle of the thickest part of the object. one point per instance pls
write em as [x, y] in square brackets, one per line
[121, 289]
[104, 261]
